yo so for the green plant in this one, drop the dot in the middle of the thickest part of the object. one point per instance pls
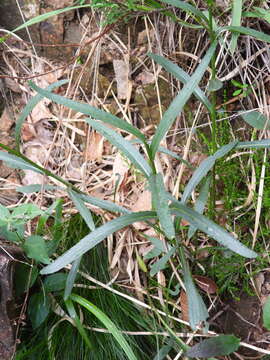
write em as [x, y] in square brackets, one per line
[242, 89]
[167, 210]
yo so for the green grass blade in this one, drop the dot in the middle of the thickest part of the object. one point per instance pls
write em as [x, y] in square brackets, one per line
[205, 166]
[95, 237]
[208, 226]
[197, 310]
[182, 76]
[200, 204]
[47, 15]
[178, 103]
[104, 204]
[72, 277]
[122, 144]
[28, 189]
[106, 321]
[236, 21]
[83, 210]
[160, 204]
[187, 8]
[17, 163]
[72, 313]
[91, 111]
[246, 31]
[258, 144]
[29, 107]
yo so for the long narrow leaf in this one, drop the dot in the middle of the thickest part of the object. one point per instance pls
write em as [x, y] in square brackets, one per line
[95, 237]
[182, 76]
[178, 103]
[246, 31]
[83, 210]
[187, 8]
[197, 310]
[122, 144]
[205, 166]
[72, 277]
[106, 321]
[258, 144]
[104, 204]
[47, 15]
[209, 227]
[91, 111]
[160, 203]
[200, 204]
[17, 163]
[236, 21]
[30, 106]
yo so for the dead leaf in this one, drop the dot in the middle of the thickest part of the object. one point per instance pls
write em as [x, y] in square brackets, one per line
[143, 203]
[145, 77]
[13, 85]
[143, 36]
[94, 148]
[206, 284]
[40, 112]
[28, 132]
[184, 305]
[6, 120]
[121, 70]
[120, 167]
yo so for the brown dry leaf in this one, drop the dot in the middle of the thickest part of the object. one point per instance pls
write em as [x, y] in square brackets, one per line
[6, 120]
[206, 284]
[145, 77]
[161, 281]
[143, 203]
[40, 112]
[121, 70]
[13, 85]
[143, 36]
[38, 155]
[120, 167]
[28, 132]
[184, 305]
[94, 148]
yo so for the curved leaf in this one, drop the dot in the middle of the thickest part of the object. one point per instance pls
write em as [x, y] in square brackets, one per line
[91, 111]
[216, 346]
[30, 106]
[256, 120]
[258, 144]
[211, 228]
[182, 76]
[180, 100]
[106, 321]
[94, 238]
[122, 144]
[103, 204]
[246, 31]
[205, 166]
[83, 210]
[187, 8]
[17, 163]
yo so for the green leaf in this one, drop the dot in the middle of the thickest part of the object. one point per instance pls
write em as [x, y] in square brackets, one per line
[205, 166]
[266, 314]
[95, 237]
[4, 215]
[187, 8]
[104, 204]
[77, 321]
[258, 144]
[182, 76]
[83, 210]
[24, 278]
[215, 85]
[200, 204]
[28, 189]
[43, 17]
[216, 346]
[197, 310]
[246, 31]
[160, 204]
[38, 309]
[256, 120]
[180, 100]
[105, 320]
[35, 248]
[209, 227]
[26, 212]
[72, 277]
[55, 282]
[237, 92]
[236, 21]
[17, 163]
[161, 263]
[122, 144]
[91, 111]
[29, 107]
